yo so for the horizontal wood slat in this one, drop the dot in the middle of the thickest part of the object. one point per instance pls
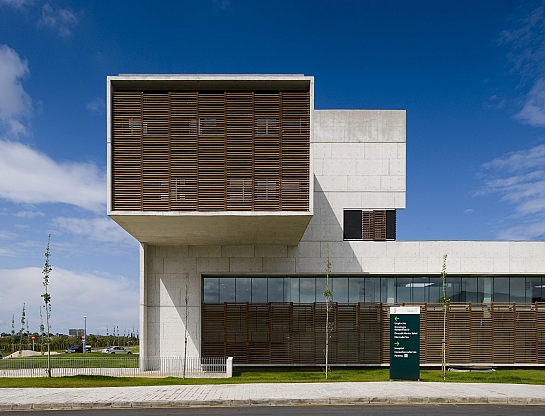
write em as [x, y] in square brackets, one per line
[287, 333]
[196, 151]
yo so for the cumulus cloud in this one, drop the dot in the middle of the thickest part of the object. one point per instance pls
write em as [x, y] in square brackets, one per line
[29, 176]
[105, 300]
[15, 103]
[61, 20]
[97, 229]
[519, 178]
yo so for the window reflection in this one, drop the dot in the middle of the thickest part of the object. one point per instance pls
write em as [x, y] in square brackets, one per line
[408, 289]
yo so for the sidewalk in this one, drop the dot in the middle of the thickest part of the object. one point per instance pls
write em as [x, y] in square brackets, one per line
[271, 394]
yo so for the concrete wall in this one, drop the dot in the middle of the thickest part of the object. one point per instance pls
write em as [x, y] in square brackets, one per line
[169, 269]
[358, 159]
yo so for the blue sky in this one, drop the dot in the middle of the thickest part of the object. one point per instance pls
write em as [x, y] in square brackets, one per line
[471, 76]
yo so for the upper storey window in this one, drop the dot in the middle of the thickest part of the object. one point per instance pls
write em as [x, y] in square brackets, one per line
[369, 225]
[210, 151]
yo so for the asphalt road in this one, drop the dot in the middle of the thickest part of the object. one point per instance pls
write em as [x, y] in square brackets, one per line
[366, 410]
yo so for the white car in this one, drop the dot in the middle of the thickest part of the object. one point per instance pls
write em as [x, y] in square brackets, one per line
[115, 350]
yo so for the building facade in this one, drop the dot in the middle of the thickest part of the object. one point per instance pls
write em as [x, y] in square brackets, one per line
[240, 192]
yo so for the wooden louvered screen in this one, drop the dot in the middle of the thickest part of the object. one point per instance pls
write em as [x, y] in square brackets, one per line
[287, 333]
[373, 225]
[201, 151]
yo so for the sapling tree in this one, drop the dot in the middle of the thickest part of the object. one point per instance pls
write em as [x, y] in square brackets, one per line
[186, 321]
[13, 333]
[22, 330]
[445, 300]
[47, 301]
[328, 295]
[42, 329]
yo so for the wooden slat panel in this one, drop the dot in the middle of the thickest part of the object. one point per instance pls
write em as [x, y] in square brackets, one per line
[284, 333]
[127, 151]
[525, 333]
[190, 151]
[183, 151]
[239, 151]
[503, 331]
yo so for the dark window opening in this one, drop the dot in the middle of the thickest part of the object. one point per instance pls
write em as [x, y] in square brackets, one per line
[378, 225]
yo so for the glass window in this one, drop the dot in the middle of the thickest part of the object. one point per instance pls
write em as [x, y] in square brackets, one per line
[434, 291]
[259, 290]
[211, 292]
[517, 289]
[371, 291]
[320, 288]
[403, 289]
[227, 289]
[501, 289]
[294, 295]
[387, 289]
[287, 289]
[420, 288]
[276, 288]
[307, 289]
[534, 290]
[340, 289]
[454, 289]
[486, 284]
[244, 289]
[355, 289]
[470, 290]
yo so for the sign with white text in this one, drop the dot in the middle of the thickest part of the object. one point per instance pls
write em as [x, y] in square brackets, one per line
[404, 343]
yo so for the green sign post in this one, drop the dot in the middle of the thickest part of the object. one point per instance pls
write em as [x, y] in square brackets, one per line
[405, 343]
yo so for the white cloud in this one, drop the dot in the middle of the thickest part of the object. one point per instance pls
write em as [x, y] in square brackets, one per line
[29, 214]
[7, 234]
[97, 229]
[533, 110]
[16, 3]
[519, 177]
[15, 103]
[29, 176]
[526, 45]
[61, 20]
[96, 106]
[105, 300]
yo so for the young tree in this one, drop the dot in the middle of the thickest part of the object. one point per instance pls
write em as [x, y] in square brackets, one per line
[328, 295]
[42, 329]
[445, 300]
[13, 333]
[22, 330]
[47, 300]
[185, 323]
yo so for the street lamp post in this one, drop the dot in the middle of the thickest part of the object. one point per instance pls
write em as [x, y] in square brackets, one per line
[84, 332]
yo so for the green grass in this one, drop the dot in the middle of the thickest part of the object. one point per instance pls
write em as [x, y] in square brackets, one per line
[364, 375]
[72, 361]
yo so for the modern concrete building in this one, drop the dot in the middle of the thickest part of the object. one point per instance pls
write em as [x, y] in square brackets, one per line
[239, 193]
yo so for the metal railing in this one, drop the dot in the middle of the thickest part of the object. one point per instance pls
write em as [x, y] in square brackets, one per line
[127, 366]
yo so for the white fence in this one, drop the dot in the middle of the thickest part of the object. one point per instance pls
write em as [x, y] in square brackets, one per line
[126, 366]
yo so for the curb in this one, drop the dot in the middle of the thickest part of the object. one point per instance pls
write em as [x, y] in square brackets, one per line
[332, 401]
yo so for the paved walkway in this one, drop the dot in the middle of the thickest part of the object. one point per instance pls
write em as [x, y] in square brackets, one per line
[271, 394]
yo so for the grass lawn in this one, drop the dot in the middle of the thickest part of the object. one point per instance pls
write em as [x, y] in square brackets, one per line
[364, 375]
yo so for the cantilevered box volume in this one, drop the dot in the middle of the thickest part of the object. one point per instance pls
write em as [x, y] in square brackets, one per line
[189, 155]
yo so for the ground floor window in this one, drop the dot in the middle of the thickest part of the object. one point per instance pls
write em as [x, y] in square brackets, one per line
[376, 289]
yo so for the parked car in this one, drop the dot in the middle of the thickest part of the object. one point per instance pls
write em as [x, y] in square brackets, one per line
[116, 350]
[78, 348]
